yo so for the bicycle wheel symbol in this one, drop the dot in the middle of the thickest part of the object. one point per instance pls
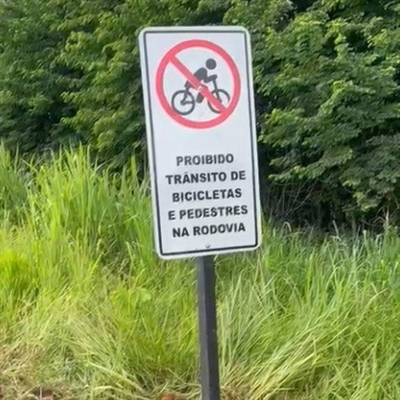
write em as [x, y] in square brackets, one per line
[184, 103]
[223, 97]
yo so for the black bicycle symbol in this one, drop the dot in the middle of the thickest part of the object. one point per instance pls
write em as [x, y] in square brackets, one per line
[184, 102]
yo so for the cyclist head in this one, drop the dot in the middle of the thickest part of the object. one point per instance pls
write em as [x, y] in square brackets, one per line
[211, 63]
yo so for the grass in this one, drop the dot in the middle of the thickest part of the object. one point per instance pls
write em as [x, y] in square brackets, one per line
[89, 310]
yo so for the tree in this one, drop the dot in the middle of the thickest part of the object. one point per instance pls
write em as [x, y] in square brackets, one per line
[31, 79]
[328, 86]
[326, 79]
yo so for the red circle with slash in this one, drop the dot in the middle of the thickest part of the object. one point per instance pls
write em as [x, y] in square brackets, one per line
[171, 59]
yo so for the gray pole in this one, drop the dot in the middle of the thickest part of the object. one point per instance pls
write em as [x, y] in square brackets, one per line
[208, 329]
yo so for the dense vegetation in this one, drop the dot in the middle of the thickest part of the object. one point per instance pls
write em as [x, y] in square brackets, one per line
[88, 311]
[327, 76]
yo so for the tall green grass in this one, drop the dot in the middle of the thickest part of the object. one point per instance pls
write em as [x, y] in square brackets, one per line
[87, 308]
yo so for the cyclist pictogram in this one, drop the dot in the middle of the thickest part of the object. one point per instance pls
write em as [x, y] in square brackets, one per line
[199, 86]
[184, 102]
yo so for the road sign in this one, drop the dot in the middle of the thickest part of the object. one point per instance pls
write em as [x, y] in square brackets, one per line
[200, 121]
[219, 100]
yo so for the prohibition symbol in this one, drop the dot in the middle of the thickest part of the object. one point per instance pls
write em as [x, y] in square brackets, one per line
[195, 91]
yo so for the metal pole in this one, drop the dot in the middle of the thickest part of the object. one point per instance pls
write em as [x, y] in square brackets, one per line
[208, 329]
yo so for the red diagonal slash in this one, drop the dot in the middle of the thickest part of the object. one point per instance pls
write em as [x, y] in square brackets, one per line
[197, 84]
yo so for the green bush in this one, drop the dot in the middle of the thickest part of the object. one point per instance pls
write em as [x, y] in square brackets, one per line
[327, 81]
[326, 78]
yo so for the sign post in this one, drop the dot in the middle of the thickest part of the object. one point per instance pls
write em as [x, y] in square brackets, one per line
[201, 133]
[208, 328]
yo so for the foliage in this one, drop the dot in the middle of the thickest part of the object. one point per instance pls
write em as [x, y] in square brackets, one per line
[89, 311]
[31, 79]
[326, 76]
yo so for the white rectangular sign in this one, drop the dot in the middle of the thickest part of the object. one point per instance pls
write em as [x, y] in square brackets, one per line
[200, 119]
